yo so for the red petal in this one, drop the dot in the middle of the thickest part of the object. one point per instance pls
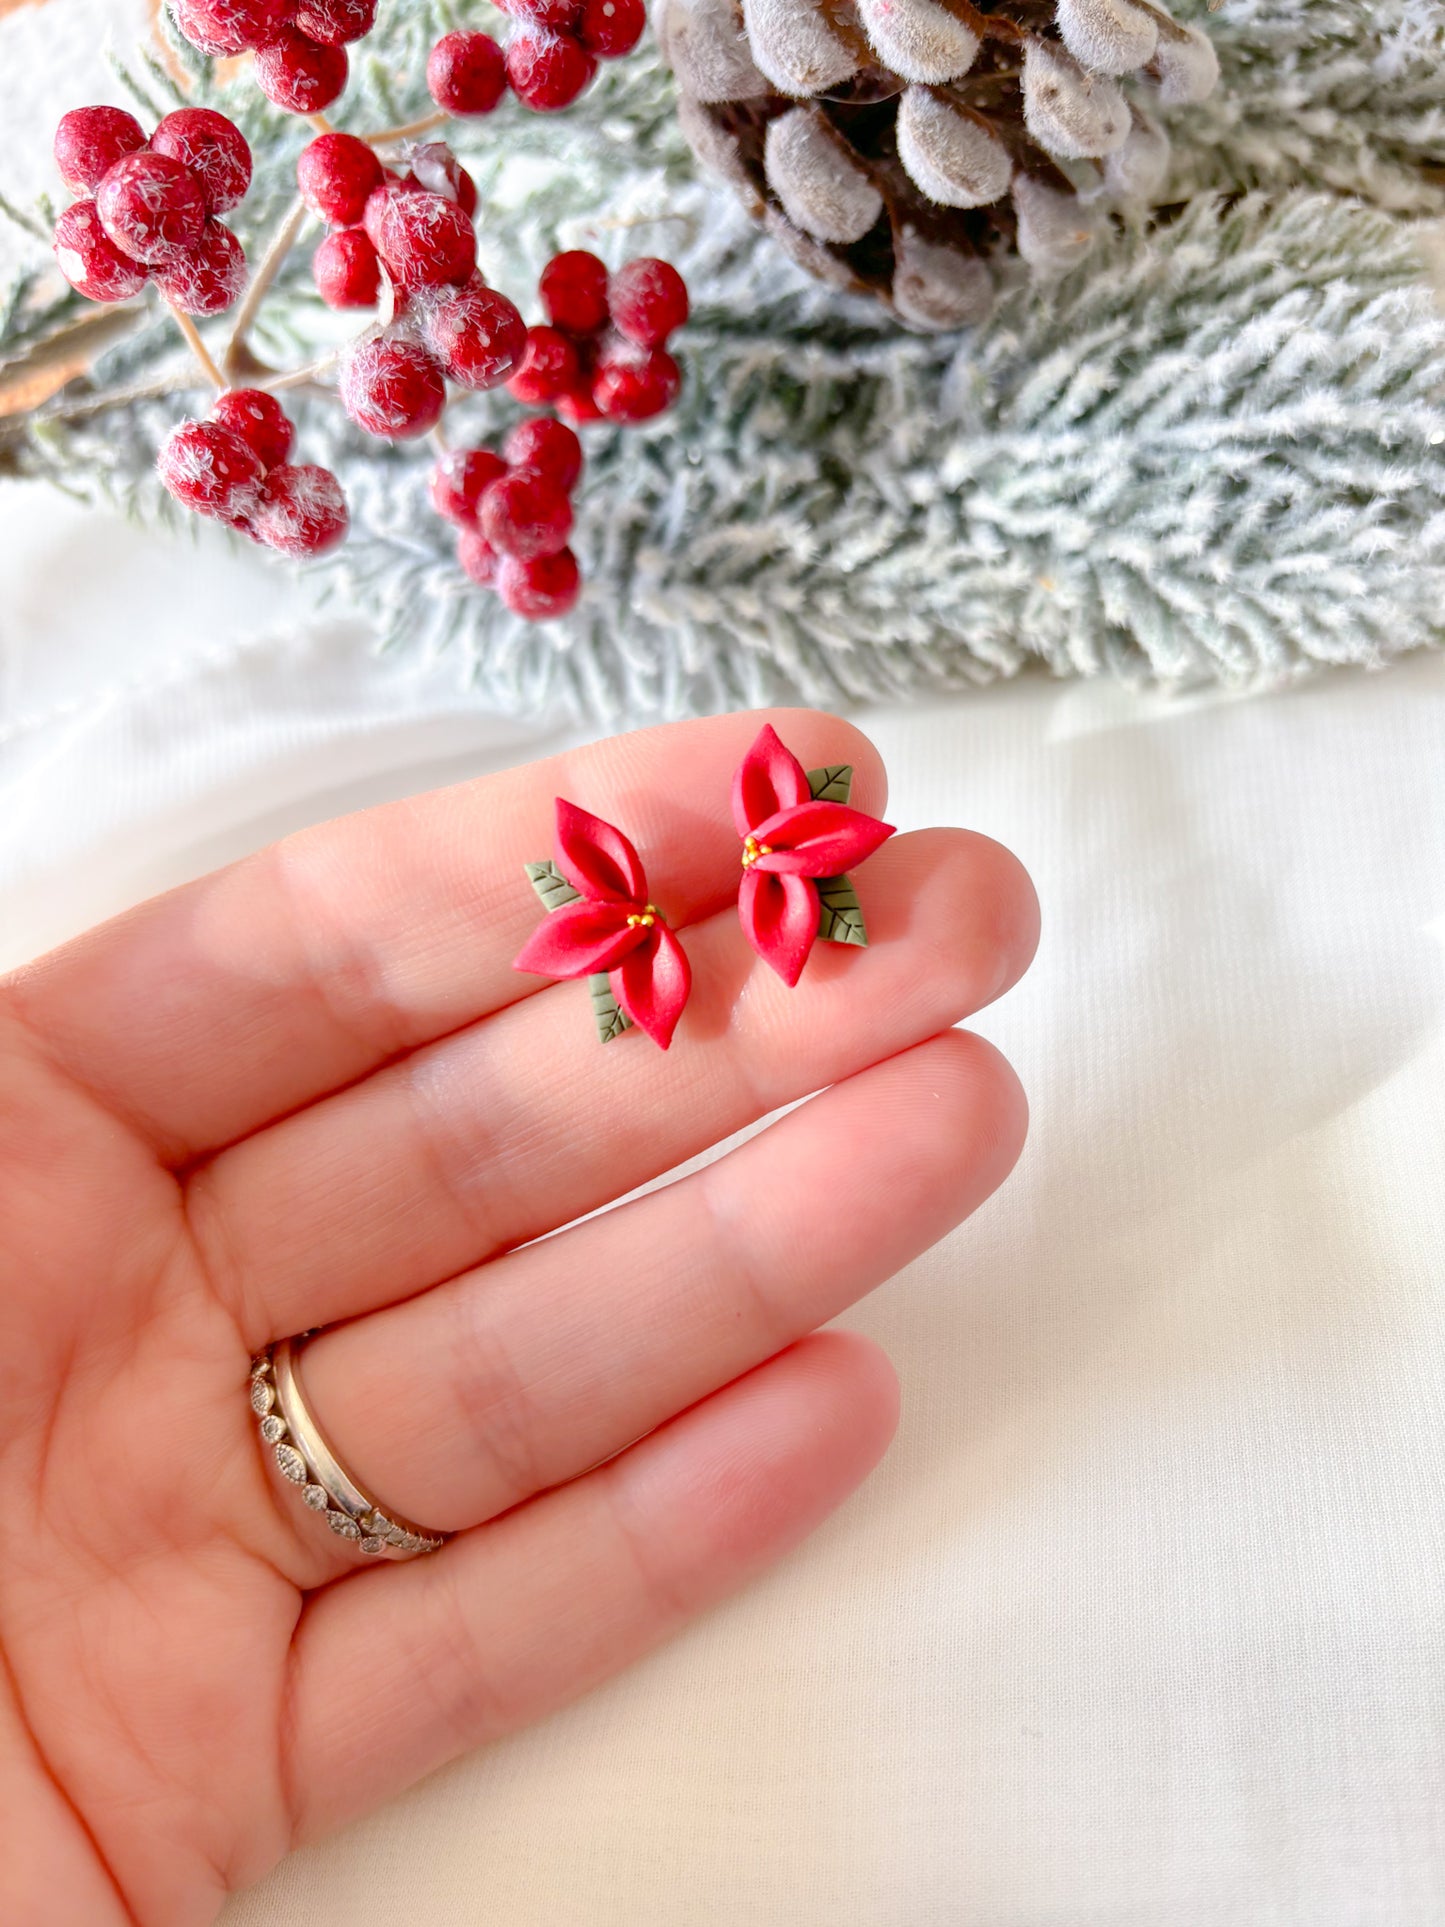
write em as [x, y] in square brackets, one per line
[578, 939]
[819, 840]
[769, 778]
[780, 919]
[654, 983]
[596, 859]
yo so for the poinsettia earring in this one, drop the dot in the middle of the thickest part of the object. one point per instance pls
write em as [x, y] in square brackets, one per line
[799, 837]
[601, 926]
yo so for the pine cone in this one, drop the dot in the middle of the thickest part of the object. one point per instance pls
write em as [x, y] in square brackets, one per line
[903, 147]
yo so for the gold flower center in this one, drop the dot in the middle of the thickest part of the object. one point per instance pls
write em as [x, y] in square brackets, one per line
[752, 850]
[646, 920]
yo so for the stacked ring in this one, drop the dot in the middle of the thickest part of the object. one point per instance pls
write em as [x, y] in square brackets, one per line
[304, 1459]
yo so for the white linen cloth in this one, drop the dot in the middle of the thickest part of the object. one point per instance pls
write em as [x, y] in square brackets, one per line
[1140, 1623]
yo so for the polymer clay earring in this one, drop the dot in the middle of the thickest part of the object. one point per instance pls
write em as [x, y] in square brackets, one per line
[601, 926]
[800, 837]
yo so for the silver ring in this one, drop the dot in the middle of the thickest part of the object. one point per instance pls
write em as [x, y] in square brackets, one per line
[302, 1456]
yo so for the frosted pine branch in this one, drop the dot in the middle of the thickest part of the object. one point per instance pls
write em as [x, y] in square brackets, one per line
[1322, 93]
[1216, 453]
[1218, 450]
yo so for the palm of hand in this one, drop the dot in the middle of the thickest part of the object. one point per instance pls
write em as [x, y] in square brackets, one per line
[148, 1607]
[310, 1093]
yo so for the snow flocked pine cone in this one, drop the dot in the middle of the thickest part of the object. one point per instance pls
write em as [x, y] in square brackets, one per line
[898, 147]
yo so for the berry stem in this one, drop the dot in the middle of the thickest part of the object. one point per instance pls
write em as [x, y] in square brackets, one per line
[300, 377]
[622, 223]
[85, 407]
[92, 329]
[199, 349]
[272, 261]
[389, 136]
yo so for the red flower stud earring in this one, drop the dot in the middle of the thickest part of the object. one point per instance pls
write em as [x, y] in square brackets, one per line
[601, 926]
[799, 838]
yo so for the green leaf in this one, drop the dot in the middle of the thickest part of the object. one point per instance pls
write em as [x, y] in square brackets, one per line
[840, 915]
[554, 890]
[612, 1019]
[551, 886]
[833, 784]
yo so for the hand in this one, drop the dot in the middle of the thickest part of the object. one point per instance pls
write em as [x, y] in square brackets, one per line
[311, 1091]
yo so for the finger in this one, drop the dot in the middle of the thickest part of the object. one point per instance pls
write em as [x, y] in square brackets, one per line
[475, 1396]
[516, 1618]
[205, 1014]
[523, 1122]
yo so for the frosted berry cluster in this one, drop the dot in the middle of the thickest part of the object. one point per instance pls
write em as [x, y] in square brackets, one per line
[400, 243]
[551, 55]
[148, 208]
[300, 45]
[601, 355]
[514, 514]
[411, 237]
[373, 237]
[233, 469]
[302, 64]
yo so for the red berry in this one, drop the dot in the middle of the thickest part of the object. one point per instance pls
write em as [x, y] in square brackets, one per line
[546, 586]
[211, 278]
[335, 175]
[556, 16]
[436, 168]
[548, 367]
[334, 23]
[152, 208]
[302, 511]
[210, 470]
[347, 270]
[477, 333]
[458, 480]
[466, 73]
[525, 513]
[213, 148]
[376, 203]
[207, 29]
[477, 557]
[90, 140]
[425, 240]
[574, 292]
[611, 28]
[223, 27]
[634, 384]
[648, 299]
[90, 261]
[548, 446]
[548, 70]
[392, 388]
[260, 421]
[575, 403]
[578, 406]
[299, 74]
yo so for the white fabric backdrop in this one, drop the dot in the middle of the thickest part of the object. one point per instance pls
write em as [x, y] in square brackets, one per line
[1141, 1621]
